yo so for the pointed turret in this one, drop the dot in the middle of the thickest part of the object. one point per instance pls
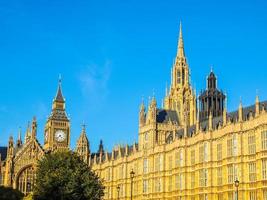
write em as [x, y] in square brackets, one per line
[142, 114]
[28, 133]
[82, 146]
[34, 128]
[257, 106]
[180, 53]
[101, 147]
[10, 150]
[240, 111]
[225, 112]
[19, 141]
[152, 111]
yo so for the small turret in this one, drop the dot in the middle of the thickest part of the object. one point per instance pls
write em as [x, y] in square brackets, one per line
[19, 141]
[152, 111]
[142, 115]
[225, 112]
[10, 149]
[240, 111]
[34, 128]
[28, 134]
[101, 147]
[257, 106]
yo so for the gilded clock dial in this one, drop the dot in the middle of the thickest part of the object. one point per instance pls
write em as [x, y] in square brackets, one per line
[60, 136]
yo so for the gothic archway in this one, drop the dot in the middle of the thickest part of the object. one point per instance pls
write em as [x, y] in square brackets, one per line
[26, 179]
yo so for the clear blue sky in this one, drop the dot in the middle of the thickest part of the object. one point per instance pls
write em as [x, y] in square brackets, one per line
[110, 53]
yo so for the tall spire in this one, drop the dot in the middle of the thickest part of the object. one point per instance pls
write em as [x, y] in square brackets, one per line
[59, 95]
[180, 52]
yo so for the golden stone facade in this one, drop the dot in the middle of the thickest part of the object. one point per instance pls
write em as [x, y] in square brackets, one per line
[185, 151]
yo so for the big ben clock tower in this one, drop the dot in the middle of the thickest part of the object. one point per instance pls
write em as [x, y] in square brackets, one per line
[57, 128]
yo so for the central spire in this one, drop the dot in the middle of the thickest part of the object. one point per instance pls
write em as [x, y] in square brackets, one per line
[59, 95]
[180, 53]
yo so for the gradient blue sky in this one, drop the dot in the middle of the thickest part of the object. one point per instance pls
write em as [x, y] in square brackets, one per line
[110, 53]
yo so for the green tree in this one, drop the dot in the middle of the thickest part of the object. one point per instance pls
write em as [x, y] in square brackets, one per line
[64, 176]
[8, 193]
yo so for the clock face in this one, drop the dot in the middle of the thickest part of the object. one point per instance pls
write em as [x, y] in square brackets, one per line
[60, 136]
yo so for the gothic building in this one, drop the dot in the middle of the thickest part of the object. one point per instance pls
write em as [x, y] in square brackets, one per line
[18, 160]
[191, 148]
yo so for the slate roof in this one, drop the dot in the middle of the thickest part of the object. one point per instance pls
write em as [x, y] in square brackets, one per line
[232, 116]
[59, 96]
[163, 116]
[3, 152]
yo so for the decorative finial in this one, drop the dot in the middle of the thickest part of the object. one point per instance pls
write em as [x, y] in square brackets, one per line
[211, 68]
[59, 78]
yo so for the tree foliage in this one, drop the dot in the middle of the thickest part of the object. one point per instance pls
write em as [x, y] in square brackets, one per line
[64, 176]
[8, 193]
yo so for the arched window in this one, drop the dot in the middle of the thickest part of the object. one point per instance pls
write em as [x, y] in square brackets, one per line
[26, 180]
[178, 77]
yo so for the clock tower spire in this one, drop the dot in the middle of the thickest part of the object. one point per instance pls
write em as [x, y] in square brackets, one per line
[57, 129]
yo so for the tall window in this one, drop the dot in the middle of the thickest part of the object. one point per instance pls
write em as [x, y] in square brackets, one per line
[170, 183]
[235, 145]
[158, 185]
[183, 75]
[177, 181]
[205, 152]
[219, 151]
[193, 157]
[201, 156]
[26, 180]
[157, 163]
[265, 194]
[203, 177]
[180, 179]
[264, 169]
[145, 186]
[230, 147]
[264, 140]
[121, 171]
[170, 162]
[219, 176]
[121, 191]
[192, 180]
[177, 159]
[230, 170]
[252, 171]
[181, 158]
[251, 144]
[253, 195]
[179, 77]
[145, 166]
[161, 162]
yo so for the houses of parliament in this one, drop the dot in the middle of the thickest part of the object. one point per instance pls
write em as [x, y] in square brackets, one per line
[191, 148]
